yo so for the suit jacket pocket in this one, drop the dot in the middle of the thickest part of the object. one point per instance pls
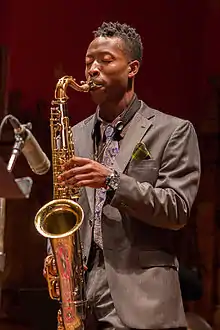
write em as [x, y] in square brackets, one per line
[148, 259]
[145, 170]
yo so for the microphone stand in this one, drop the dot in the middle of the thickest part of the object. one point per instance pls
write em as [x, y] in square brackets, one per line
[16, 150]
[25, 185]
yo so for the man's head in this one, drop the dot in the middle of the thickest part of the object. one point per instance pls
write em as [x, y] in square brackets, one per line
[132, 41]
[113, 59]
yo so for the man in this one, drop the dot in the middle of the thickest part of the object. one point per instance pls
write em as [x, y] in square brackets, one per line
[139, 172]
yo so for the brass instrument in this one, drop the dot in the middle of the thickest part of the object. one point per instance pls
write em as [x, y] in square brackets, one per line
[60, 219]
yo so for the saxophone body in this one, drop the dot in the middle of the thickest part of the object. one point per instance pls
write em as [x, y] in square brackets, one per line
[60, 219]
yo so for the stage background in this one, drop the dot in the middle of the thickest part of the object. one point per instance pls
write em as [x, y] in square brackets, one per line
[42, 40]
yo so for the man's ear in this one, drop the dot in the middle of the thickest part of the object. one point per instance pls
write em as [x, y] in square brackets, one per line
[133, 68]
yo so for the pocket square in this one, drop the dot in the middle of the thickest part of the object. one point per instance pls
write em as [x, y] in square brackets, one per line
[141, 152]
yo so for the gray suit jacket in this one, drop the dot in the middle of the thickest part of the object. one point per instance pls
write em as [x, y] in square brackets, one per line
[152, 202]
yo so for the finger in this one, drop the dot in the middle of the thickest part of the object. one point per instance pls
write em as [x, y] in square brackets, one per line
[78, 178]
[75, 161]
[74, 172]
[88, 183]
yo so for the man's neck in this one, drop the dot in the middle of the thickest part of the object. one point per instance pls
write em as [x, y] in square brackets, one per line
[109, 111]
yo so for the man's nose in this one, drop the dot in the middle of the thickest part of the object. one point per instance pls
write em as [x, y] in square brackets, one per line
[94, 71]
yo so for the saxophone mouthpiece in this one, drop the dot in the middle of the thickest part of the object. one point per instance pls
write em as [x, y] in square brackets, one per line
[92, 85]
[85, 86]
[88, 85]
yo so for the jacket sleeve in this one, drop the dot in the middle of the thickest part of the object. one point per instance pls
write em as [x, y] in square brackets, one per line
[168, 203]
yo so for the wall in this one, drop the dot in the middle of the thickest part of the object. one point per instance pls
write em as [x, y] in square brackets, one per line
[44, 36]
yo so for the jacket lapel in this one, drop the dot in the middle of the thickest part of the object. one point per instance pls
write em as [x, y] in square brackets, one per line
[137, 129]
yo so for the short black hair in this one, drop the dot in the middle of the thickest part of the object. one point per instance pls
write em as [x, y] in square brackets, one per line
[128, 34]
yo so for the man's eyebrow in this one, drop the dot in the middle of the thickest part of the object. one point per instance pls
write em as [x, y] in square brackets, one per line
[103, 52]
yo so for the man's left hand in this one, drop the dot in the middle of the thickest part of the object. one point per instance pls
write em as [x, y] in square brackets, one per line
[81, 172]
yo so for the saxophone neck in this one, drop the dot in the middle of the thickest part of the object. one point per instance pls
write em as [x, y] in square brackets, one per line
[68, 81]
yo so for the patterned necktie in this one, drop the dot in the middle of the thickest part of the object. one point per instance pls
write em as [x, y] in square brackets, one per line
[110, 151]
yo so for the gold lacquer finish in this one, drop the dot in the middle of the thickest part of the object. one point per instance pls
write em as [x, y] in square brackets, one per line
[60, 219]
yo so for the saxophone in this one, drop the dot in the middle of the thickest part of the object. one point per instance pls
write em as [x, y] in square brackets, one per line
[60, 219]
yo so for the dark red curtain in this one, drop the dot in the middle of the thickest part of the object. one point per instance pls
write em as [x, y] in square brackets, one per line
[48, 38]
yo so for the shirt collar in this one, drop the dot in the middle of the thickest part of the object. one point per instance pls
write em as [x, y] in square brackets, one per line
[128, 109]
[125, 116]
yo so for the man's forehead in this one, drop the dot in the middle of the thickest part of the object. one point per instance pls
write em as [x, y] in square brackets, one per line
[106, 44]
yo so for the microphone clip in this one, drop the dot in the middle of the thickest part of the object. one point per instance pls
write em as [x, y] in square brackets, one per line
[20, 135]
[16, 150]
[118, 127]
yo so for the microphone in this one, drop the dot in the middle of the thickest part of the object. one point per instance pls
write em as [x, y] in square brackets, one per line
[36, 158]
